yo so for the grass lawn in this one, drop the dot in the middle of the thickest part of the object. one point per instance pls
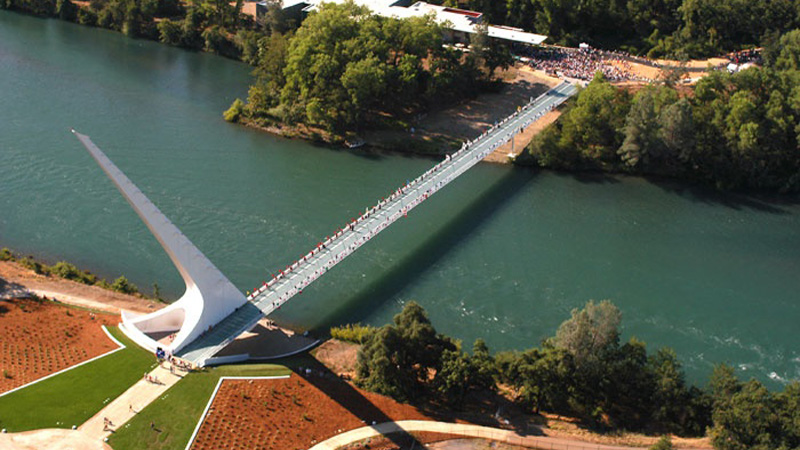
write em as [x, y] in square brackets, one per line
[76, 395]
[175, 414]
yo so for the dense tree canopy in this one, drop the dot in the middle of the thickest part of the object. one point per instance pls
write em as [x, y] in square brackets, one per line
[398, 360]
[747, 416]
[734, 131]
[583, 371]
[679, 28]
[344, 67]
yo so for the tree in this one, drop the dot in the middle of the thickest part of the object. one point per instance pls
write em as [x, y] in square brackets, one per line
[398, 360]
[365, 83]
[671, 399]
[234, 113]
[170, 32]
[484, 366]
[544, 378]
[489, 53]
[249, 44]
[788, 57]
[676, 130]
[264, 94]
[594, 125]
[590, 332]
[378, 369]
[216, 41]
[641, 131]
[789, 407]
[749, 419]
[455, 377]
[122, 284]
[66, 10]
[723, 384]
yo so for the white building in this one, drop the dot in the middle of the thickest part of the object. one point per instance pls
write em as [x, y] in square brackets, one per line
[461, 22]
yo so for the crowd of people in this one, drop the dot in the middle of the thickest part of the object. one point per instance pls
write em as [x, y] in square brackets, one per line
[746, 56]
[335, 248]
[581, 63]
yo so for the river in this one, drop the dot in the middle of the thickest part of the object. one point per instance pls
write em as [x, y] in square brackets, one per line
[502, 253]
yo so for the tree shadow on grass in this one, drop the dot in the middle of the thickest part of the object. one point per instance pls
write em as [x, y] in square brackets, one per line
[432, 249]
[482, 408]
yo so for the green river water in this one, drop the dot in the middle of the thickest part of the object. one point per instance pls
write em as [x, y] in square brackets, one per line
[501, 253]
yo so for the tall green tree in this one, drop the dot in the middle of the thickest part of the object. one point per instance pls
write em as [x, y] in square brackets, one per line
[590, 332]
[398, 360]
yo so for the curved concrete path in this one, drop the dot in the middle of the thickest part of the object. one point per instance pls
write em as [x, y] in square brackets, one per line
[466, 430]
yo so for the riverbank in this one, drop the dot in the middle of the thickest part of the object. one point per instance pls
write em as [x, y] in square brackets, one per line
[443, 131]
[15, 280]
[340, 358]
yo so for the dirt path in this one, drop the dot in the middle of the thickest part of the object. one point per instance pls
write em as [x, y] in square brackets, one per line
[521, 141]
[15, 279]
[469, 119]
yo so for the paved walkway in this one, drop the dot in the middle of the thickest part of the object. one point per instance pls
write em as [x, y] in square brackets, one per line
[129, 403]
[466, 430]
[50, 439]
[91, 435]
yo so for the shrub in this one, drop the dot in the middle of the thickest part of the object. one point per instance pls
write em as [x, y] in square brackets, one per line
[30, 263]
[665, 443]
[170, 32]
[122, 284]
[6, 255]
[66, 270]
[234, 112]
[355, 333]
[87, 17]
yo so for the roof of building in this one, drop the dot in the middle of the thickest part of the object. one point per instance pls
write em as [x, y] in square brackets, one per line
[455, 19]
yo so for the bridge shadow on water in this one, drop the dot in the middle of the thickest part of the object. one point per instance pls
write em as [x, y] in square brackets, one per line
[456, 230]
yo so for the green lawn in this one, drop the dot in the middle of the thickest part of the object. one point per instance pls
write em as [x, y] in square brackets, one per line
[175, 414]
[76, 395]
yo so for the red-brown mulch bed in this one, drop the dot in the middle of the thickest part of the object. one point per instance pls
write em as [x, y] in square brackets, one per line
[294, 413]
[38, 338]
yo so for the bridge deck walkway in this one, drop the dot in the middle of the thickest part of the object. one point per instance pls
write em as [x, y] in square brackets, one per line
[271, 295]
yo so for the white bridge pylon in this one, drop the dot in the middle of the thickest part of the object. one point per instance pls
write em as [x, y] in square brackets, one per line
[209, 296]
